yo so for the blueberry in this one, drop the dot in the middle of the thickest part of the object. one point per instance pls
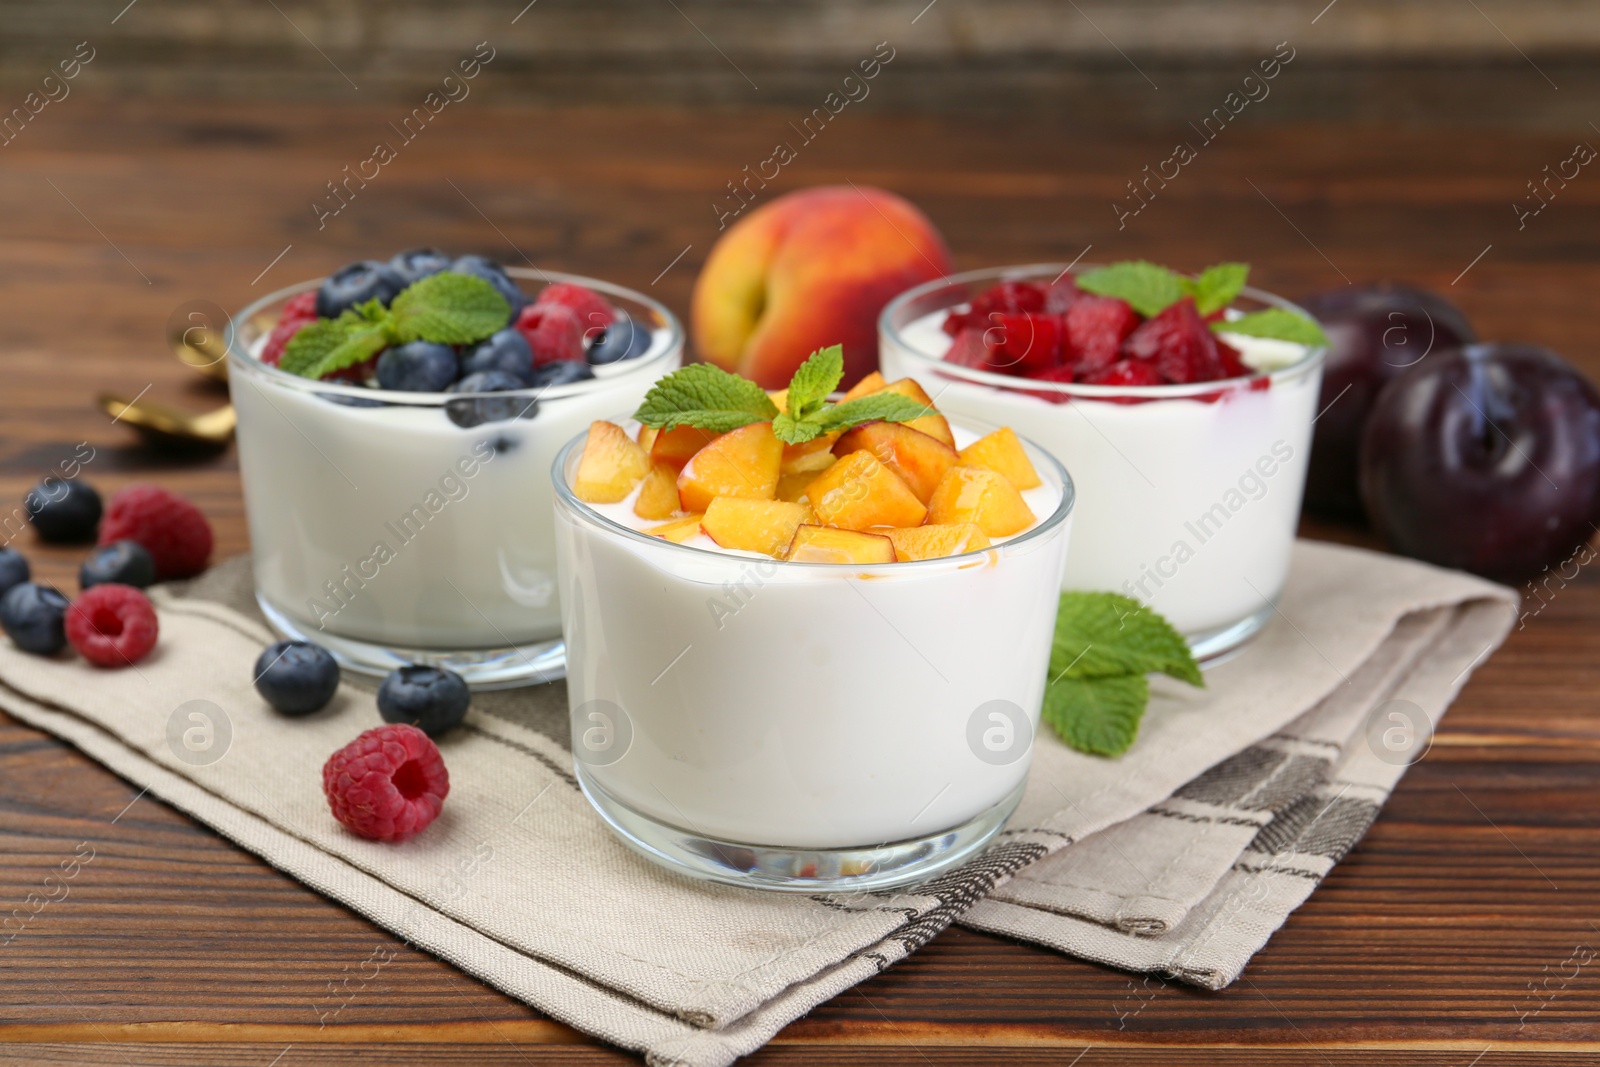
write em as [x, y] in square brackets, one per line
[34, 617]
[623, 339]
[493, 273]
[430, 698]
[489, 409]
[14, 569]
[356, 284]
[561, 372]
[418, 367]
[296, 677]
[417, 263]
[123, 562]
[506, 351]
[63, 512]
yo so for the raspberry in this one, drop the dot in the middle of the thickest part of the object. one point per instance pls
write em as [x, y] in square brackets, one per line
[1179, 344]
[296, 313]
[971, 349]
[112, 625]
[388, 784]
[553, 332]
[1095, 329]
[1026, 345]
[594, 313]
[171, 529]
[1012, 298]
[1060, 295]
[1233, 366]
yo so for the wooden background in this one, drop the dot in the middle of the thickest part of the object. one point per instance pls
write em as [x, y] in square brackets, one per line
[1480, 879]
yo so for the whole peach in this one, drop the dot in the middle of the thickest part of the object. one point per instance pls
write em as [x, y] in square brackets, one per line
[810, 269]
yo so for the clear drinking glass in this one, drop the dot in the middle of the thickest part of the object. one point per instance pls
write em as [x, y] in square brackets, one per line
[804, 726]
[1189, 494]
[394, 527]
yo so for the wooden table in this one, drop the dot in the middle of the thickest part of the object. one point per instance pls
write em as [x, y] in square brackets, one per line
[1478, 882]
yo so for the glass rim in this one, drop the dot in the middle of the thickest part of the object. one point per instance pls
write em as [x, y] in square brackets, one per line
[1314, 356]
[237, 355]
[1064, 508]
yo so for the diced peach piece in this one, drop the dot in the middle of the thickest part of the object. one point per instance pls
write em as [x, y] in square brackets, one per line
[918, 459]
[611, 465]
[827, 544]
[1001, 451]
[754, 525]
[792, 487]
[779, 398]
[858, 493]
[658, 496]
[932, 424]
[676, 446]
[870, 384]
[980, 496]
[741, 463]
[812, 456]
[678, 530]
[937, 541]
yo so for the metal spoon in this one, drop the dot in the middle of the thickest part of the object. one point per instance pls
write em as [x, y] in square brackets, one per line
[197, 346]
[169, 427]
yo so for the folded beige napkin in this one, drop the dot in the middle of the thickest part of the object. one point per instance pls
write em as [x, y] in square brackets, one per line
[520, 884]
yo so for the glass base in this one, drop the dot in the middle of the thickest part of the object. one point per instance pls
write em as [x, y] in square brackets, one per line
[796, 870]
[1220, 645]
[482, 668]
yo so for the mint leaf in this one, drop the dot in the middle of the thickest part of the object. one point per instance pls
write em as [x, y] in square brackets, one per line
[1147, 287]
[449, 309]
[1276, 323]
[874, 407]
[1102, 635]
[706, 397]
[814, 380]
[793, 431]
[329, 345]
[1218, 286]
[1097, 715]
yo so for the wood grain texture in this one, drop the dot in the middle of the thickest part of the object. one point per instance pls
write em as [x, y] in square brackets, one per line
[173, 947]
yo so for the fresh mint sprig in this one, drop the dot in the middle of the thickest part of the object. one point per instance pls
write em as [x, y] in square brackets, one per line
[446, 308]
[712, 399]
[1104, 646]
[1150, 289]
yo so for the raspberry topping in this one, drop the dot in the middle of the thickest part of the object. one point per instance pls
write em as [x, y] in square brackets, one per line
[1095, 329]
[972, 349]
[1179, 343]
[171, 529]
[553, 332]
[1126, 372]
[1026, 344]
[296, 313]
[388, 784]
[112, 625]
[594, 313]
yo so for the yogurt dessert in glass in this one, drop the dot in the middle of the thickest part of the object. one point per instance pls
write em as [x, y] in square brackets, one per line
[1189, 460]
[413, 523]
[826, 672]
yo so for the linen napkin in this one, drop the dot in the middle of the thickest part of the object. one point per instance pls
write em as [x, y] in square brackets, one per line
[519, 883]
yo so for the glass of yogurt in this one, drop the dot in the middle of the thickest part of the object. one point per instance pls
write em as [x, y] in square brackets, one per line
[804, 726]
[402, 527]
[1190, 493]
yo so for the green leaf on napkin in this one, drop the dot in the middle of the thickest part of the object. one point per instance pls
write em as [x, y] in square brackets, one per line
[1104, 645]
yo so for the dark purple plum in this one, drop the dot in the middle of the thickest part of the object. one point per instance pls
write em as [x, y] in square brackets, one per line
[1485, 458]
[1377, 332]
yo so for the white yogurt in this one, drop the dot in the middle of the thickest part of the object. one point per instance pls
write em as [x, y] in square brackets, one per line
[394, 526]
[806, 705]
[1189, 506]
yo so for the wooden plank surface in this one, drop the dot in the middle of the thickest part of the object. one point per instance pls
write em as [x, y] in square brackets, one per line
[1481, 877]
